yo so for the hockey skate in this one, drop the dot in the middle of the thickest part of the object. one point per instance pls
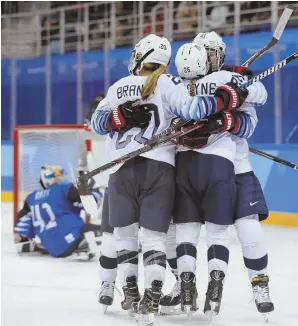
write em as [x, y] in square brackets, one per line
[262, 299]
[148, 306]
[106, 295]
[214, 294]
[170, 304]
[189, 294]
[131, 295]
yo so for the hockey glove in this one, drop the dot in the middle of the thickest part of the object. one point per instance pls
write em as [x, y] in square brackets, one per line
[230, 96]
[219, 122]
[129, 115]
[195, 139]
[244, 71]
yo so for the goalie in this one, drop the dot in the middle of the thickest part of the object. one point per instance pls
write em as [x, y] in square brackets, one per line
[53, 215]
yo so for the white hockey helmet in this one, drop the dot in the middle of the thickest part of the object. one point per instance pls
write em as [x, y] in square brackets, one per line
[192, 61]
[215, 47]
[51, 174]
[151, 49]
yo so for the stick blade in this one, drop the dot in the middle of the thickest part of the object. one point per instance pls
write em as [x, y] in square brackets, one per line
[89, 204]
[284, 18]
[86, 196]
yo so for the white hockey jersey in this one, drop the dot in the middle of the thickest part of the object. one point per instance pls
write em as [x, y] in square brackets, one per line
[171, 99]
[224, 144]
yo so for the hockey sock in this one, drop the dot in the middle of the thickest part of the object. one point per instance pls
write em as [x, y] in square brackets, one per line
[154, 256]
[187, 236]
[127, 251]
[217, 244]
[171, 249]
[250, 234]
[108, 258]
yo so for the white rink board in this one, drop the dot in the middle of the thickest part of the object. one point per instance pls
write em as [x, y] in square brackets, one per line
[54, 292]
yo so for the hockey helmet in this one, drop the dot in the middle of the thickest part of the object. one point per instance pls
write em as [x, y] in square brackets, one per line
[192, 61]
[51, 174]
[215, 46]
[150, 49]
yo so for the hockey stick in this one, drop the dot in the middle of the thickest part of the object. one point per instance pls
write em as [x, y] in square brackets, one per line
[271, 70]
[257, 78]
[284, 18]
[274, 158]
[276, 36]
[87, 199]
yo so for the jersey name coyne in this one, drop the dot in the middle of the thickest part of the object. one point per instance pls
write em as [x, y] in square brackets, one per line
[205, 88]
[129, 90]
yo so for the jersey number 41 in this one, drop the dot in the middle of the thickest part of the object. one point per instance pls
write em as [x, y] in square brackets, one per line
[37, 217]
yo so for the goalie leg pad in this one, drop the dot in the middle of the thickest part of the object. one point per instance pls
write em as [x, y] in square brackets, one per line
[25, 246]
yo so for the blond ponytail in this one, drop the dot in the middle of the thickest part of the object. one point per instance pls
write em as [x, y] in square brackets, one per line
[152, 80]
[192, 88]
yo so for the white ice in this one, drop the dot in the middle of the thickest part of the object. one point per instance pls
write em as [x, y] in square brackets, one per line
[43, 291]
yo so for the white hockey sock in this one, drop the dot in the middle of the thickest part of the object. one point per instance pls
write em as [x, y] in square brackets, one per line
[127, 251]
[108, 258]
[154, 248]
[171, 249]
[217, 244]
[187, 237]
[250, 235]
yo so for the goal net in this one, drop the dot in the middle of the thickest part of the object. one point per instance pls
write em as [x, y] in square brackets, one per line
[63, 145]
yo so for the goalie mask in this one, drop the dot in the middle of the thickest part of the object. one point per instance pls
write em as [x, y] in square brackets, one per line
[215, 47]
[51, 174]
[192, 61]
[151, 49]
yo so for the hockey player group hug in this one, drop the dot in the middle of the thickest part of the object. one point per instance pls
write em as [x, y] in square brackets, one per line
[161, 199]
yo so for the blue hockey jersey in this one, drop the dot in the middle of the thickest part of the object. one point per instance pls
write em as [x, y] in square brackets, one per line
[53, 218]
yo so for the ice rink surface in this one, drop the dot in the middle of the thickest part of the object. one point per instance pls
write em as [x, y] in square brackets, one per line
[43, 291]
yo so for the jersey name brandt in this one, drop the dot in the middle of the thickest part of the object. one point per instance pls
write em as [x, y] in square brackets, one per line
[129, 90]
